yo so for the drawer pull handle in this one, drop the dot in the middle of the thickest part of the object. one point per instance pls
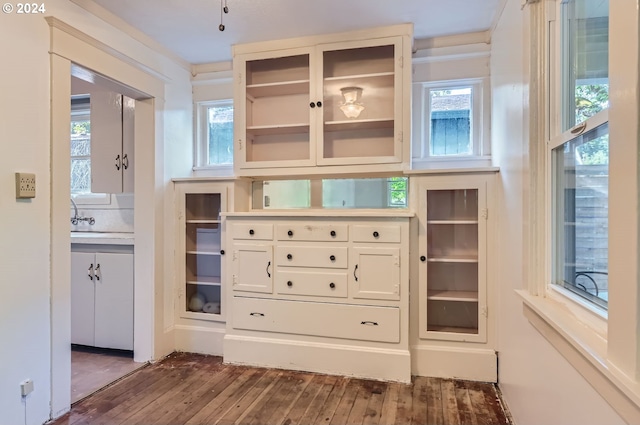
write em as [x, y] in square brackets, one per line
[268, 265]
[90, 272]
[222, 252]
[260, 314]
[289, 283]
[333, 233]
[251, 232]
[423, 258]
[354, 272]
[376, 234]
[332, 285]
[290, 233]
[332, 258]
[369, 323]
[289, 256]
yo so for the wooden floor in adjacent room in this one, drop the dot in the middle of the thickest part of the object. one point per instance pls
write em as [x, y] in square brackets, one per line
[196, 389]
[92, 369]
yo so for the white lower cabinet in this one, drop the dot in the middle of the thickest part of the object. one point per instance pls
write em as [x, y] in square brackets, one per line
[102, 299]
[320, 293]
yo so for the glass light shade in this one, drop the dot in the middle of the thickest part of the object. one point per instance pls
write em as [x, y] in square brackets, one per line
[351, 107]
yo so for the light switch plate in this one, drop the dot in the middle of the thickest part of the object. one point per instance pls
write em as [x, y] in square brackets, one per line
[25, 185]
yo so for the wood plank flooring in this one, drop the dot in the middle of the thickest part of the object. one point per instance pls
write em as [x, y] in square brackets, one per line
[195, 389]
[92, 369]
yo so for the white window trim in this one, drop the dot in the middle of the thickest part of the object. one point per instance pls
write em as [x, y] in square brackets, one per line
[605, 352]
[481, 156]
[201, 148]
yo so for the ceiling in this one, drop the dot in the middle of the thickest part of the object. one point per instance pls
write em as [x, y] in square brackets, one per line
[189, 28]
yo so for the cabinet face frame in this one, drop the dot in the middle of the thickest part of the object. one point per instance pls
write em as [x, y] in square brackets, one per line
[479, 183]
[182, 285]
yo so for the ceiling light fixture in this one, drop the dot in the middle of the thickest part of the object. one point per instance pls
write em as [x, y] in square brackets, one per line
[351, 106]
[224, 9]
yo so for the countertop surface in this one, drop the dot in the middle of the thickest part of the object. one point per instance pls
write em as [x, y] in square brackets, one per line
[102, 238]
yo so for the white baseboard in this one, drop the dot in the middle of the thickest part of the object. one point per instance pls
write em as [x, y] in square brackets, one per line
[197, 339]
[455, 363]
[334, 359]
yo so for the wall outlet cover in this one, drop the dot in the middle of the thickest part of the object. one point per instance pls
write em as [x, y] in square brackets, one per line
[25, 185]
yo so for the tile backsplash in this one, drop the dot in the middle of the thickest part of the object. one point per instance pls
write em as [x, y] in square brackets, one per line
[112, 218]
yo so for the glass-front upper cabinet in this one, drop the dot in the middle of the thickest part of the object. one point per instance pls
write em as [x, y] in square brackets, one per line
[327, 103]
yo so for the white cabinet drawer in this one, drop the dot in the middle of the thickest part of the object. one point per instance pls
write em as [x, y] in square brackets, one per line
[365, 323]
[256, 231]
[323, 284]
[323, 232]
[375, 233]
[334, 257]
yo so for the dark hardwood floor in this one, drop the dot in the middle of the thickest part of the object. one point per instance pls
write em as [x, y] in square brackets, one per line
[195, 389]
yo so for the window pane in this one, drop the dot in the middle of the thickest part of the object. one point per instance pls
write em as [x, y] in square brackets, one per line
[581, 180]
[585, 64]
[220, 124]
[80, 175]
[450, 121]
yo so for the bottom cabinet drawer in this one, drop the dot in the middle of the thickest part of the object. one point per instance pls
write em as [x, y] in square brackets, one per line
[366, 323]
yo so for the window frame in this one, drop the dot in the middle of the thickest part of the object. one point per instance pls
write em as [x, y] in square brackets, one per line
[604, 350]
[201, 149]
[480, 116]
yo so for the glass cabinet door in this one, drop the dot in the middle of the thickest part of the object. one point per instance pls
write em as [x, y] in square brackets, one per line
[275, 116]
[360, 83]
[453, 264]
[202, 278]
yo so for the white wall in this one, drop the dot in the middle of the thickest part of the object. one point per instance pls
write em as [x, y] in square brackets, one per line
[538, 384]
[25, 289]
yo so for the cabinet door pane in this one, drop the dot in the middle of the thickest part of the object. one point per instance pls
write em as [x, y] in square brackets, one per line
[253, 268]
[277, 108]
[376, 274]
[359, 101]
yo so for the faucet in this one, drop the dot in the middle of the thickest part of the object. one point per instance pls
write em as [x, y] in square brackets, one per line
[76, 218]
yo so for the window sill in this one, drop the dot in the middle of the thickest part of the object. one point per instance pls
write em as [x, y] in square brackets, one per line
[453, 164]
[582, 342]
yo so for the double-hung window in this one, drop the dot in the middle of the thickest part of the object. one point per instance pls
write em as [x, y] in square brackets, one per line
[579, 153]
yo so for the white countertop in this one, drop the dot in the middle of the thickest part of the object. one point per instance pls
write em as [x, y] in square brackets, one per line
[99, 238]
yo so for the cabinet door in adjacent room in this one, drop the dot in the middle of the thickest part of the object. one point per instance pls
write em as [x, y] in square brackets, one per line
[114, 301]
[82, 296]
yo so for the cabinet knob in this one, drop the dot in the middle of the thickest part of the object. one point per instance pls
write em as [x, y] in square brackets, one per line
[423, 258]
[313, 105]
[376, 234]
[222, 252]
[319, 104]
[251, 232]
[332, 285]
[332, 258]
[289, 256]
[290, 233]
[333, 233]
[289, 283]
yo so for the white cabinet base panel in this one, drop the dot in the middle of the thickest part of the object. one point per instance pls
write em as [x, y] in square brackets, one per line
[457, 363]
[359, 362]
[199, 339]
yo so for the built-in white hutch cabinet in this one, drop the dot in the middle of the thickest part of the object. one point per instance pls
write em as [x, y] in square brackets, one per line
[453, 312]
[332, 101]
[321, 291]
